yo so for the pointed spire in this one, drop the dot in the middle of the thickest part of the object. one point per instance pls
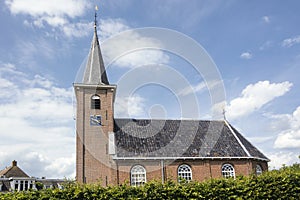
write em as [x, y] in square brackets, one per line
[94, 72]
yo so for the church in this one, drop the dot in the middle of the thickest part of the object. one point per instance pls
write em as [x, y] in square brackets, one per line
[113, 151]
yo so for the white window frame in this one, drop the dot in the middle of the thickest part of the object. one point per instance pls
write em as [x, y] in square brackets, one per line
[138, 175]
[48, 186]
[228, 171]
[184, 171]
[111, 143]
[22, 184]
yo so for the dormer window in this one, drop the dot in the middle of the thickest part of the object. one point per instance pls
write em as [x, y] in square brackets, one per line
[95, 102]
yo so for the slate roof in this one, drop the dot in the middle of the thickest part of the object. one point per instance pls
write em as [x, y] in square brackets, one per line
[95, 70]
[144, 138]
[13, 171]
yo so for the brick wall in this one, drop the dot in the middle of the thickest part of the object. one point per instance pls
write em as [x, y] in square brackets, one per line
[201, 169]
[93, 163]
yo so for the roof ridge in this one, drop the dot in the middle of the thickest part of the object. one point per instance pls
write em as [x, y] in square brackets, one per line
[10, 168]
[237, 138]
[6, 170]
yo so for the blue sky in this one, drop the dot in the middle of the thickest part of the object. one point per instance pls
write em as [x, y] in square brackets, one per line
[254, 44]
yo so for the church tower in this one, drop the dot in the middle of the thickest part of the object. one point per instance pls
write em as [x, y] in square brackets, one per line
[94, 120]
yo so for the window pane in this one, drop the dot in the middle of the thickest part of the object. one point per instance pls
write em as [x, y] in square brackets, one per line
[95, 102]
[21, 186]
[138, 175]
[184, 172]
[228, 171]
[26, 186]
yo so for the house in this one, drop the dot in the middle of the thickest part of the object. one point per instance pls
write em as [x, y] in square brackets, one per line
[13, 178]
[114, 151]
[47, 183]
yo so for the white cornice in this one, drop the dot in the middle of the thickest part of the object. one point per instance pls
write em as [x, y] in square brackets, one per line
[93, 85]
[189, 158]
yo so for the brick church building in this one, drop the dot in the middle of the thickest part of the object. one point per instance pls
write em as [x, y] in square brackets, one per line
[114, 151]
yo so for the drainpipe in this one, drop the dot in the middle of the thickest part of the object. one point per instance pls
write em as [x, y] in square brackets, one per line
[118, 175]
[83, 138]
[162, 171]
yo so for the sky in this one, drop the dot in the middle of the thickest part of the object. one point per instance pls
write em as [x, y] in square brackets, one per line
[254, 47]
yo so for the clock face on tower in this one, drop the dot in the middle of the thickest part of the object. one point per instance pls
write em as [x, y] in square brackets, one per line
[95, 120]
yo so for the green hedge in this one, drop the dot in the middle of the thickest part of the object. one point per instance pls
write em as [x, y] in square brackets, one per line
[276, 184]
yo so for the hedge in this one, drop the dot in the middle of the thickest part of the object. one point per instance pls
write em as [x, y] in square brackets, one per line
[275, 184]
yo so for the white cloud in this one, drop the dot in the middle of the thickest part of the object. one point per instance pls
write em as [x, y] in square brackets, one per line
[266, 19]
[290, 136]
[192, 89]
[291, 41]
[36, 116]
[246, 55]
[142, 57]
[63, 165]
[53, 13]
[132, 106]
[55, 21]
[254, 96]
[54, 8]
[129, 49]
[261, 139]
[288, 139]
[110, 27]
[282, 158]
[6, 88]
[77, 30]
[278, 122]
[106, 28]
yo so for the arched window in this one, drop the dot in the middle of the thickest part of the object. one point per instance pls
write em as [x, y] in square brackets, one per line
[258, 170]
[228, 171]
[184, 172]
[95, 102]
[138, 175]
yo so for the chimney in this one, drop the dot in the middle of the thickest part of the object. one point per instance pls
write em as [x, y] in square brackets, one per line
[14, 163]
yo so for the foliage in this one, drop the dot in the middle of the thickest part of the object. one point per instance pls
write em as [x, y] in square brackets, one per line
[39, 185]
[276, 184]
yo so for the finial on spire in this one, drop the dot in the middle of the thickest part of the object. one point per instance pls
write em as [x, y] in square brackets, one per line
[95, 22]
